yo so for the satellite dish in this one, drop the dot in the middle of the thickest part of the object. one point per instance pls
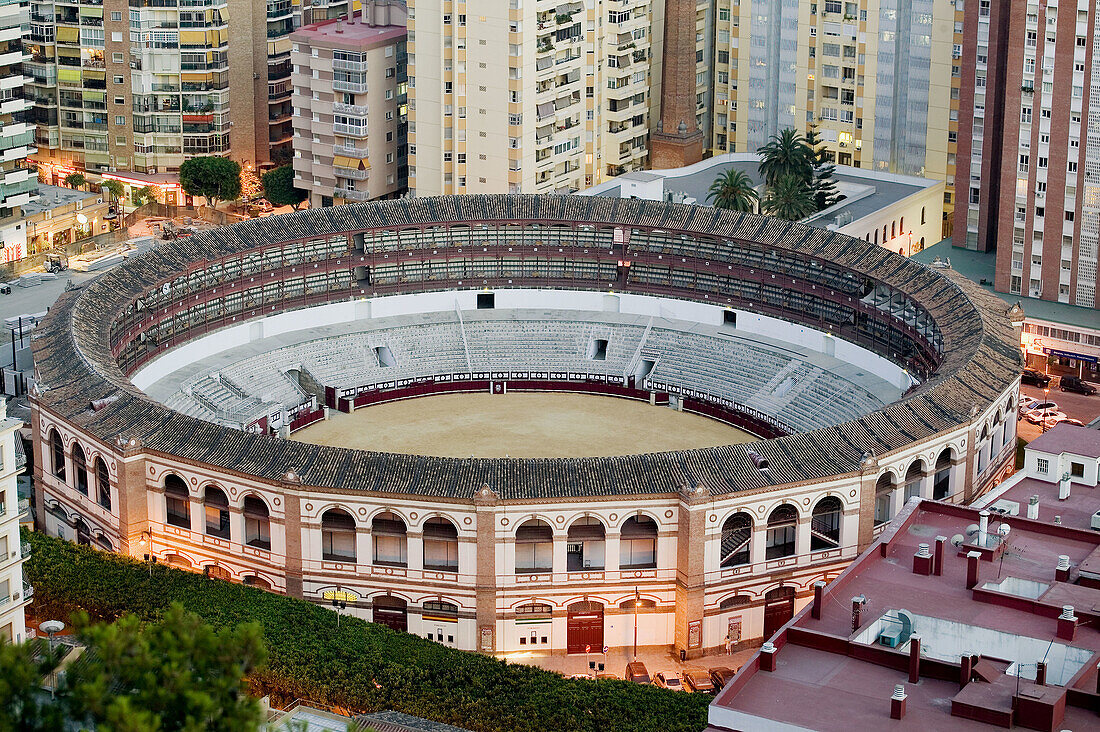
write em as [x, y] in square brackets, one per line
[972, 529]
[49, 627]
[957, 540]
[1003, 529]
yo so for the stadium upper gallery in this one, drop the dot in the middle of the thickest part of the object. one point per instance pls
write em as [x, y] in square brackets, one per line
[715, 411]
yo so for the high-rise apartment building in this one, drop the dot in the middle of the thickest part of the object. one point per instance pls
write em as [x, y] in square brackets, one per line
[350, 106]
[877, 78]
[1030, 144]
[532, 96]
[15, 593]
[18, 181]
[142, 85]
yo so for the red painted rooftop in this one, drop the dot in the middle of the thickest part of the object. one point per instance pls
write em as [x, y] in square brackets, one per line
[823, 681]
[352, 35]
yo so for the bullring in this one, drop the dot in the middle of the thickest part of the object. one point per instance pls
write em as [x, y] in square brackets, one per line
[481, 552]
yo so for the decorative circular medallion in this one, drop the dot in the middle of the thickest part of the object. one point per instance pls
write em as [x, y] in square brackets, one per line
[413, 515]
[712, 518]
[852, 493]
[277, 501]
[504, 522]
[805, 501]
[362, 510]
[309, 506]
[613, 517]
[194, 481]
[668, 514]
[467, 520]
[559, 519]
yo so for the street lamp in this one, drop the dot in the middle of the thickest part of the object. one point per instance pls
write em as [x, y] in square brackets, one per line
[1046, 406]
[146, 542]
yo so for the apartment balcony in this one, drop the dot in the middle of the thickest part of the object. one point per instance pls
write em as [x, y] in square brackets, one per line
[345, 65]
[356, 110]
[340, 128]
[350, 151]
[351, 87]
[351, 173]
[351, 195]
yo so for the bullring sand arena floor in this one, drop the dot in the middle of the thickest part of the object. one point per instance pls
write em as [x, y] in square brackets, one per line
[519, 425]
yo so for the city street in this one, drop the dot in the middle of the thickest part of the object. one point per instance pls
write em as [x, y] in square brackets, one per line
[1077, 406]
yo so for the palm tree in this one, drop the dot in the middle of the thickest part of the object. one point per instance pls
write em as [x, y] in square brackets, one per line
[733, 190]
[786, 154]
[791, 198]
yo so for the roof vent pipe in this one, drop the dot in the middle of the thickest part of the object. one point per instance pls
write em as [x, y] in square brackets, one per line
[1061, 572]
[761, 463]
[1033, 507]
[897, 702]
[983, 528]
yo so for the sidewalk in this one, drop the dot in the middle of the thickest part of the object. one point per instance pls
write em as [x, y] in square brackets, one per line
[615, 661]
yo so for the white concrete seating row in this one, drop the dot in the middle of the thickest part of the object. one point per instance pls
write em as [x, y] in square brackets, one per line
[800, 390]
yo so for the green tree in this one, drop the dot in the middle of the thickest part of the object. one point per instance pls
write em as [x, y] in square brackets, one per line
[76, 180]
[823, 183]
[279, 188]
[24, 705]
[212, 177]
[144, 195]
[174, 674]
[790, 198]
[733, 190]
[786, 154]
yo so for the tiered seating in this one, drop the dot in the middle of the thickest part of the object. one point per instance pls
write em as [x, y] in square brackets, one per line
[794, 386]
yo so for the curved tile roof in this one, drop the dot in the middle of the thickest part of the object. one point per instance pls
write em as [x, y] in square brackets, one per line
[980, 361]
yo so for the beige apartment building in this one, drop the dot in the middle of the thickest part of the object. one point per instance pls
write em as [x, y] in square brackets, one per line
[139, 86]
[528, 96]
[879, 78]
[350, 109]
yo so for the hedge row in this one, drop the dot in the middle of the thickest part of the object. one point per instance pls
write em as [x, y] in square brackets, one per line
[360, 666]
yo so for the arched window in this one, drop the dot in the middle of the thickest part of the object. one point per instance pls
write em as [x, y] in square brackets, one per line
[83, 532]
[884, 496]
[913, 477]
[440, 610]
[175, 560]
[893, 229]
[782, 529]
[80, 469]
[641, 603]
[825, 524]
[391, 545]
[901, 225]
[732, 603]
[922, 218]
[585, 546]
[534, 609]
[216, 506]
[213, 571]
[258, 582]
[337, 536]
[885, 228]
[257, 524]
[638, 543]
[177, 502]
[534, 547]
[941, 484]
[736, 540]
[440, 545]
[103, 483]
[876, 237]
[57, 454]
[983, 453]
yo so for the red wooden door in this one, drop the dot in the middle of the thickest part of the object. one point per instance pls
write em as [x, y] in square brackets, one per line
[391, 612]
[585, 627]
[778, 609]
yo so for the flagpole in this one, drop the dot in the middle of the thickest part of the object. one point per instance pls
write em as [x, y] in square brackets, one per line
[637, 600]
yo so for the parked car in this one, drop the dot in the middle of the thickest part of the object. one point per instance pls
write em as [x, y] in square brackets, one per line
[637, 672]
[668, 680]
[1035, 378]
[722, 675]
[1026, 405]
[1052, 419]
[1076, 385]
[1074, 422]
[696, 680]
[1040, 411]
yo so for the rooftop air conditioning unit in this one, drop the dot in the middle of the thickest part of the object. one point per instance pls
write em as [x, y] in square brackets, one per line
[1096, 521]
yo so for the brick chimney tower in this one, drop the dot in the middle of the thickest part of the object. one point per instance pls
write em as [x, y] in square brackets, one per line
[676, 141]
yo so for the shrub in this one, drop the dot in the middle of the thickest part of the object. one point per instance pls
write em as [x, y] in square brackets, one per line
[357, 665]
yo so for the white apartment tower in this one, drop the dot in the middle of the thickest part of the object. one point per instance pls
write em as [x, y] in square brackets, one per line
[15, 593]
[527, 96]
